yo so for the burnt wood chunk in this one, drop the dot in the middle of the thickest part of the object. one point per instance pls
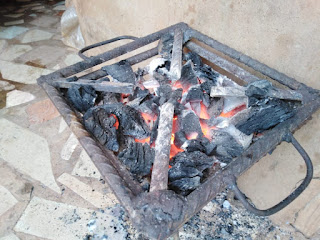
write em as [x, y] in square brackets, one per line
[100, 86]
[101, 125]
[188, 76]
[195, 94]
[264, 88]
[228, 91]
[176, 60]
[82, 97]
[159, 178]
[130, 121]
[227, 146]
[216, 107]
[121, 72]
[266, 114]
[187, 169]
[165, 45]
[189, 122]
[138, 158]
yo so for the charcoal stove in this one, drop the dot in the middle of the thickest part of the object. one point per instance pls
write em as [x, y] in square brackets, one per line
[160, 213]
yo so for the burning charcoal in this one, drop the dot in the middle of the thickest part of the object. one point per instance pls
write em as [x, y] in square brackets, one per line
[82, 98]
[109, 97]
[258, 89]
[161, 78]
[179, 138]
[266, 114]
[72, 79]
[210, 147]
[154, 131]
[207, 85]
[227, 146]
[102, 126]
[164, 92]
[188, 76]
[193, 145]
[138, 158]
[195, 58]
[189, 122]
[121, 72]
[215, 108]
[130, 121]
[206, 72]
[187, 170]
[195, 94]
[231, 103]
[165, 45]
[243, 139]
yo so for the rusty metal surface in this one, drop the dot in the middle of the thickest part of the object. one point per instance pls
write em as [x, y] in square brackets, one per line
[160, 213]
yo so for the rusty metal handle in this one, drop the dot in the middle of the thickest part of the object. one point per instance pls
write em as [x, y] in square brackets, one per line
[287, 200]
[80, 53]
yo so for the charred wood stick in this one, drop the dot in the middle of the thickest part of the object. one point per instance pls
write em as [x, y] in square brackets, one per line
[115, 87]
[159, 177]
[176, 61]
[241, 92]
[228, 92]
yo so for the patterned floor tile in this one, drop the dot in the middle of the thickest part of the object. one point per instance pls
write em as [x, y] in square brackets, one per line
[21, 73]
[14, 51]
[17, 97]
[10, 236]
[36, 35]
[42, 111]
[59, 221]
[27, 152]
[69, 147]
[96, 198]
[85, 167]
[12, 32]
[7, 200]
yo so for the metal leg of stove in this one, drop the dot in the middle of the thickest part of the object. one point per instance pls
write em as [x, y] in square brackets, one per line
[267, 212]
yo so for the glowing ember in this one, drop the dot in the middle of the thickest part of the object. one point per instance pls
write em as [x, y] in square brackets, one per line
[147, 117]
[146, 140]
[233, 112]
[178, 84]
[204, 113]
[206, 129]
[192, 135]
[174, 150]
[116, 125]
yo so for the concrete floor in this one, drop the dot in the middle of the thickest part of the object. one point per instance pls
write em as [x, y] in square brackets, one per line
[50, 189]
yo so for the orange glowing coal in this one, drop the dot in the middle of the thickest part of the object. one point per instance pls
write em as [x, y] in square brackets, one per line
[203, 112]
[174, 150]
[206, 129]
[116, 125]
[146, 140]
[192, 135]
[147, 117]
[233, 111]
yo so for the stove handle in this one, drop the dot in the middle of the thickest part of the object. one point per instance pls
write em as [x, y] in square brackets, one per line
[80, 53]
[287, 200]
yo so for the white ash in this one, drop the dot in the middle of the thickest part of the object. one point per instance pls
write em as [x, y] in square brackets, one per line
[154, 64]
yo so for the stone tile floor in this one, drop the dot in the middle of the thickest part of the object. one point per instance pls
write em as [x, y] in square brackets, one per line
[49, 188]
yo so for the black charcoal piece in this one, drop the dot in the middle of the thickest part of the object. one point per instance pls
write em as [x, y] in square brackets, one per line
[193, 145]
[101, 125]
[188, 122]
[72, 79]
[130, 121]
[82, 98]
[265, 114]
[187, 170]
[109, 97]
[154, 131]
[227, 146]
[207, 85]
[164, 92]
[165, 45]
[195, 94]
[161, 77]
[206, 72]
[188, 76]
[179, 138]
[258, 89]
[121, 72]
[138, 158]
[195, 58]
[216, 107]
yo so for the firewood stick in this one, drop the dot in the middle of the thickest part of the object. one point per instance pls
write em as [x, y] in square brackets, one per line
[116, 87]
[159, 177]
[176, 61]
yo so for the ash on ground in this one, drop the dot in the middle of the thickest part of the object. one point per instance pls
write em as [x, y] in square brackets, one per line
[222, 218]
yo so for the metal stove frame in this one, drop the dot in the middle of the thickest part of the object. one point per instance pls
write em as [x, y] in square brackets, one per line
[161, 213]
